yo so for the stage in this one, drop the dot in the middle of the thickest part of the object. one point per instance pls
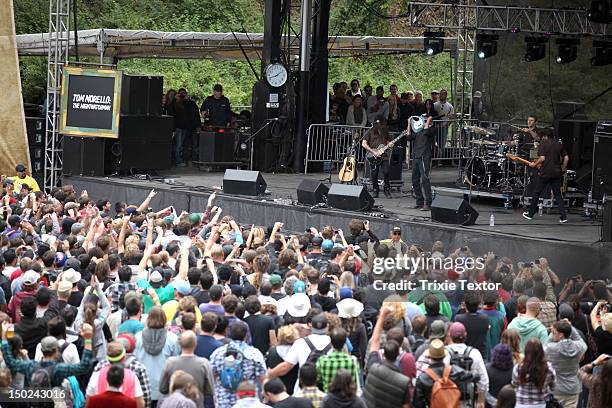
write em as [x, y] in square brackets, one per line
[571, 248]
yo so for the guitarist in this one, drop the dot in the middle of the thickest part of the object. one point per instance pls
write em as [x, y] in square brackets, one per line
[551, 165]
[375, 137]
[422, 142]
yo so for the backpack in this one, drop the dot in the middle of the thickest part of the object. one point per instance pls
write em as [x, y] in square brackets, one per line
[42, 377]
[444, 393]
[314, 353]
[462, 360]
[232, 370]
[61, 351]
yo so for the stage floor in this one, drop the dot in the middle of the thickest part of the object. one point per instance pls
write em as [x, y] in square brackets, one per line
[579, 228]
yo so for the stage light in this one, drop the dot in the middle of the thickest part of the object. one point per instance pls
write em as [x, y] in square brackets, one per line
[600, 11]
[602, 53]
[486, 45]
[567, 50]
[536, 48]
[433, 43]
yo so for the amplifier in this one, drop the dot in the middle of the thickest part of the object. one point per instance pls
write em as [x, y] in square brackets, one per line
[602, 165]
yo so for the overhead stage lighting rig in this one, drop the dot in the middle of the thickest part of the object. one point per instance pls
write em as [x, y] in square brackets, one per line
[433, 43]
[602, 53]
[567, 50]
[486, 45]
[536, 48]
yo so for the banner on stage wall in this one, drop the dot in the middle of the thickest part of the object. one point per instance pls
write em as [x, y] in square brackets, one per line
[90, 102]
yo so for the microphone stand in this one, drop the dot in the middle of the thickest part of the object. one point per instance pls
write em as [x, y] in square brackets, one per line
[251, 139]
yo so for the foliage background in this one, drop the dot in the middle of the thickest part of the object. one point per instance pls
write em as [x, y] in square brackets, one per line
[510, 87]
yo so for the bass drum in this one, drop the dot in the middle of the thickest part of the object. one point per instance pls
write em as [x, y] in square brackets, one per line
[483, 173]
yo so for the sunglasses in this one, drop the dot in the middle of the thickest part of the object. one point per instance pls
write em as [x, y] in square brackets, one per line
[397, 233]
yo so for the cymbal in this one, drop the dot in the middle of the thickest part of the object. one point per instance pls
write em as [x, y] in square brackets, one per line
[483, 142]
[480, 131]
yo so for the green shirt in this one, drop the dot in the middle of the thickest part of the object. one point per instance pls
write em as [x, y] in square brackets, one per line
[165, 294]
[328, 366]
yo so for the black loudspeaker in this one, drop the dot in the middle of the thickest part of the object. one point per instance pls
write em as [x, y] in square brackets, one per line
[606, 228]
[453, 210]
[145, 143]
[83, 156]
[141, 95]
[217, 147]
[311, 192]
[395, 165]
[244, 182]
[35, 128]
[577, 138]
[602, 165]
[349, 197]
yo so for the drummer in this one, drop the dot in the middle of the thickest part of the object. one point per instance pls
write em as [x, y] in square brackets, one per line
[529, 137]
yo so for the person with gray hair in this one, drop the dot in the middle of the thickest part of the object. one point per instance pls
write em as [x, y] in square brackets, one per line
[199, 368]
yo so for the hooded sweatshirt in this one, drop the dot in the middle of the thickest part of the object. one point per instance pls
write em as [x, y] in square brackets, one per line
[153, 348]
[565, 356]
[529, 327]
[336, 401]
[14, 306]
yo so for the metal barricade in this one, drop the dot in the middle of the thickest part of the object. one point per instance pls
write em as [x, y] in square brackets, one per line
[328, 143]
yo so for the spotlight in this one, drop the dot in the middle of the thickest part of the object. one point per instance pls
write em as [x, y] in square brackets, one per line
[600, 11]
[602, 53]
[486, 45]
[567, 50]
[433, 43]
[536, 48]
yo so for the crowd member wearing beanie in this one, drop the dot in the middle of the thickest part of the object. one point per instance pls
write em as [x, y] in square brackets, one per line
[499, 371]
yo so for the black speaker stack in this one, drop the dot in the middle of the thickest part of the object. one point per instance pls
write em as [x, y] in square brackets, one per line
[145, 135]
[453, 210]
[35, 128]
[602, 164]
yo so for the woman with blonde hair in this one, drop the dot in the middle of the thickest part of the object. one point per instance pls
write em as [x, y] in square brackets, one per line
[261, 266]
[88, 312]
[183, 391]
[347, 280]
[287, 335]
[512, 338]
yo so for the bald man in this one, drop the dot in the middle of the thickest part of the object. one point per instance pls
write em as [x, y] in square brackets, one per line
[528, 325]
[198, 367]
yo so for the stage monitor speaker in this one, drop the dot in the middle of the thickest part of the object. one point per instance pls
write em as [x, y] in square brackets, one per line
[83, 156]
[577, 138]
[145, 143]
[569, 110]
[602, 166]
[312, 192]
[141, 95]
[244, 182]
[216, 147]
[606, 233]
[453, 210]
[398, 156]
[349, 197]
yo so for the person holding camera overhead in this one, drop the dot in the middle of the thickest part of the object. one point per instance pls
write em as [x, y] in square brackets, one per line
[601, 321]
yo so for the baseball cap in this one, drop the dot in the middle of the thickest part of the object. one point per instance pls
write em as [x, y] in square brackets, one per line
[275, 279]
[477, 94]
[194, 218]
[435, 91]
[155, 278]
[346, 293]
[316, 241]
[128, 341]
[299, 306]
[76, 228]
[299, 287]
[72, 276]
[72, 263]
[327, 245]
[30, 277]
[131, 210]
[20, 167]
[7, 182]
[182, 287]
[48, 344]
[319, 324]
[566, 312]
[457, 329]
[60, 259]
[397, 229]
[437, 330]
[64, 287]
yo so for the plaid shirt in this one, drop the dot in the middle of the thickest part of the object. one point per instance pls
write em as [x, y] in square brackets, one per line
[313, 394]
[141, 373]
[253, 367]
[328, 365]
[548, 314]
[116, 290]
[61, 371]
[529, 394]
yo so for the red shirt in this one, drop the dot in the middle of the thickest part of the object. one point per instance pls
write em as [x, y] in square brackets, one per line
[110, 399]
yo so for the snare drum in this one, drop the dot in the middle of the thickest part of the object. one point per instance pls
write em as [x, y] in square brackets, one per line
[502, 150]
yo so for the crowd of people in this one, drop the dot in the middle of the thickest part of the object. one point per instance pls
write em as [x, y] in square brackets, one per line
[119, 303]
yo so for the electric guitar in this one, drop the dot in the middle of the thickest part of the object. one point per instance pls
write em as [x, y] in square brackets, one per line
[417, 123]
[521, 160]
[347, 171]
[381, 149]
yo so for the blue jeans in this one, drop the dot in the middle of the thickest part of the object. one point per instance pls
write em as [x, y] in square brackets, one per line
[180, 135]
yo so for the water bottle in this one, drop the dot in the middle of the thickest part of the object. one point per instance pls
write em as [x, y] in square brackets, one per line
[540, 209]
[492, 220]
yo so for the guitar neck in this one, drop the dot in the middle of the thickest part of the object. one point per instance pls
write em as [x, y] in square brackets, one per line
[384, 149]
[518, 159]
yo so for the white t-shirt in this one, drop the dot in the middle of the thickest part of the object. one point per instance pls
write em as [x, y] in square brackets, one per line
[70, 355]
[92, 386]
[299, 352]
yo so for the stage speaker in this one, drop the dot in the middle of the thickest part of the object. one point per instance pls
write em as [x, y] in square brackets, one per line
[141, 95]
[453, 210]
[145, 143]
[312, 192]
[35, 128]
[244, 182]
[577, 138]
[217, 147]
[602, 165]
[569, 110]
[395, 164]
[83, 156]
[349, 197]
[606, 228]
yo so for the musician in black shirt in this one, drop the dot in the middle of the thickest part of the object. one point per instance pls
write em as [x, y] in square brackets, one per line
[374, 138]
[422, 136]
[551, 165]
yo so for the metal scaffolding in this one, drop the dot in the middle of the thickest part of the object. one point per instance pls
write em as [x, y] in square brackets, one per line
[57, 57]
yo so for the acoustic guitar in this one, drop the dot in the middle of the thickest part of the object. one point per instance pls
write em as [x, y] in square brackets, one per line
[347, 171]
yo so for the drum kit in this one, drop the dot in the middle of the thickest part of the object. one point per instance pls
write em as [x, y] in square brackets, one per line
[488, 165]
